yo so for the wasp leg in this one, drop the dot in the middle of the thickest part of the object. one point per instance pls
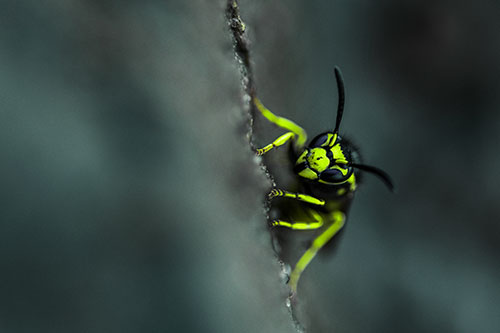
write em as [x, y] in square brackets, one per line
[276, 143]
[283, 123]
[338, 221]
[297, 196]
[316, 223]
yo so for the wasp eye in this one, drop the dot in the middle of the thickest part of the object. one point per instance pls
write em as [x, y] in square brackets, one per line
[341, 165]
[319, 140]
[332, 176]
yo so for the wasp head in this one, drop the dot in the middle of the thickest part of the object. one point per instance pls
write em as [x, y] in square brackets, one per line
[326, 160]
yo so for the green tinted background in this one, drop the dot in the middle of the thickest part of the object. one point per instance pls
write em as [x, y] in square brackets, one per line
[132, 203]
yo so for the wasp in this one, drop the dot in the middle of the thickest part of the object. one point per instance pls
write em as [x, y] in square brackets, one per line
[328, 170]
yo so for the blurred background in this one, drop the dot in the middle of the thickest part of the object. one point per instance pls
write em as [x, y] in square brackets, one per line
[131, 201]
[422, 102]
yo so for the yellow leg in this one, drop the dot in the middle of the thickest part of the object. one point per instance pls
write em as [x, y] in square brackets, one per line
[276, 143]
[297, 196]
[316, 223]
[283, 123]
[338, 219]
[297, 225]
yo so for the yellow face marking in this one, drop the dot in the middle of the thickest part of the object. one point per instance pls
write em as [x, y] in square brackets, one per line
[332, 138]
[302, 157]
[338, 154]
[318, 160]
[308, 173]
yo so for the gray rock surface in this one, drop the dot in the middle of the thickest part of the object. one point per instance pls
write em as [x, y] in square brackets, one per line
[131, 201]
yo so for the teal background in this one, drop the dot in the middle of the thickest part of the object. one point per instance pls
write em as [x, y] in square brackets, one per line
[422, 83]
[131, 201]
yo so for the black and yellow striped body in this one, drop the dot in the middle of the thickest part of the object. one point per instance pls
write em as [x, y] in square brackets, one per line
[327, 171]
[326, 186]
[324, 166]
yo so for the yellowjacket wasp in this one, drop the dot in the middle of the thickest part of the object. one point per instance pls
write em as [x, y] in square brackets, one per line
[327, 169]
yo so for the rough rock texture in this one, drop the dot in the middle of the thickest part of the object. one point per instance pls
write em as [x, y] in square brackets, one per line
[131, 201]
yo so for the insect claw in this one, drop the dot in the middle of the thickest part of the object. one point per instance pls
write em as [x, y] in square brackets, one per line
[274, 193]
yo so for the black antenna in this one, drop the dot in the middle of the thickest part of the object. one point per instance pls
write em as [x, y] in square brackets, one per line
[384, 177]
[340, 109]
